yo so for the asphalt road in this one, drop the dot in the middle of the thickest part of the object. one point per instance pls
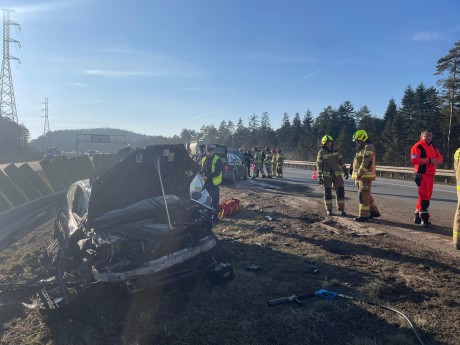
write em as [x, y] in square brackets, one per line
[399, 193]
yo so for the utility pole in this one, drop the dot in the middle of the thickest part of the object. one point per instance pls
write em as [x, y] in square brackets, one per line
[46, 129]
[8, 103]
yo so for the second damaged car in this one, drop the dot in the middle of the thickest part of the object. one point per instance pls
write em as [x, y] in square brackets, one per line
[143, 221]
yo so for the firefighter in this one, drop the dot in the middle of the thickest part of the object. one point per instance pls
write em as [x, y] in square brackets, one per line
[248, 161]
[274, 159]
[424, 156]
[364, 174]
[456, 229]
[211, 171]
[279, 163]
[268, 161]
[258, 162]
[330, 166]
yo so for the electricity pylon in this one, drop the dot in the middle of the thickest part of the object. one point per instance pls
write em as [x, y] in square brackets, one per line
[46, 129]
[8, 102]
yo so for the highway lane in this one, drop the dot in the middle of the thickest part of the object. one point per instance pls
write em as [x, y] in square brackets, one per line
[396, 198]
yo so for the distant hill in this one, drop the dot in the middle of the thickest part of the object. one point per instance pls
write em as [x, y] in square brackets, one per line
[66, 140]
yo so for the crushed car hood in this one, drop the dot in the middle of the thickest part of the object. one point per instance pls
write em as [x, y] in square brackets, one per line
[133, 176]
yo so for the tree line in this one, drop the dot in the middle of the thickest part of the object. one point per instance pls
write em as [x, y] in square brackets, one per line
[393, 134]
[299, 134]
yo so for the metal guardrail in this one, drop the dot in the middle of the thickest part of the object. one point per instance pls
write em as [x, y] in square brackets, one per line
[17, 222]
[380, 168]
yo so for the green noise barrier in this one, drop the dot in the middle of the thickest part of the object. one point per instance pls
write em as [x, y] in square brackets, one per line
[4, 204]
[36, 180]
[78, 169]
[61, 172]
[24, 185]
[86, 164]
[99, 160]
[56, 183]
[11, 191]
[68, 168]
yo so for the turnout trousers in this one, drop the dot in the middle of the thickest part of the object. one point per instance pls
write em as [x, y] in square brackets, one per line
[456, 229]
[258, 166]
[337, 182]
[366, 201]
[268, 167]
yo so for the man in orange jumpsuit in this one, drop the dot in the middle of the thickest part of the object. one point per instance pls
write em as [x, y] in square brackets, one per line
[424, 156]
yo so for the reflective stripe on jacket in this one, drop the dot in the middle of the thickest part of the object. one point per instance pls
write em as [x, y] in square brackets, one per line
[330, 162]
[216, 180]
[364, 163]
[457, 167]
[258, 157]
[420, 151]
[279, 159]
[268, 158]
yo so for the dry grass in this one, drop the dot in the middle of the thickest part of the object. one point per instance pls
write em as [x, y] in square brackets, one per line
[196, 312]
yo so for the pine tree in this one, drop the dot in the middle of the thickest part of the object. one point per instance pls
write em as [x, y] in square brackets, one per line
[450, 64]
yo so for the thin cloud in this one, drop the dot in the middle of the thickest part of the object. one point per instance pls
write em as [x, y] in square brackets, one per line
[201, 89]
[279, 58]
[312, 74]
[192, 119]
[43, 7]
[429, 36]
[117, 63]
[121, 74]
[78, 84]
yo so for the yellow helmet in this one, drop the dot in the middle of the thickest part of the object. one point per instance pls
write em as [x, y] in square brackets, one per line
[325, 139]
[360, 135]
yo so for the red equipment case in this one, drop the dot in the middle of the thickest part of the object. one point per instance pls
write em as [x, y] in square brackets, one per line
[229, 207]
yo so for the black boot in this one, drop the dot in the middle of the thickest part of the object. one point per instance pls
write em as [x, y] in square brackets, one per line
[361, 219]
[374, 214]
[417, 219]
[425, 219]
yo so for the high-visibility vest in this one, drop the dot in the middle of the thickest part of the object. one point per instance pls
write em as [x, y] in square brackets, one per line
[218, 179]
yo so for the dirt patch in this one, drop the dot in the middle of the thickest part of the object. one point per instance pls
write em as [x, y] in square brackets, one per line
[300, 250]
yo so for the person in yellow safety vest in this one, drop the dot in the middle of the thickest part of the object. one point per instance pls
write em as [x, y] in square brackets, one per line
[279, 163]
[274, 160]
[364, 174]
[268, 161]
[259, 156]
[456, 229]
[330, 165]
[211, 171]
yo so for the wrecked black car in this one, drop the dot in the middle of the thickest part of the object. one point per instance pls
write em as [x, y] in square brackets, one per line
[143, 221]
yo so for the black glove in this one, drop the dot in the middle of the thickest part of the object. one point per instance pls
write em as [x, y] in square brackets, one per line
[320, 180]
[345, 174]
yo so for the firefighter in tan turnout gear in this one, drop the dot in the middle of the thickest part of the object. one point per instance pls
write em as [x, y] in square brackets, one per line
[456, 229]
[330, 166]
[364, 174]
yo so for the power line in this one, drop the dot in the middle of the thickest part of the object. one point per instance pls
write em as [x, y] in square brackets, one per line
[8, 102]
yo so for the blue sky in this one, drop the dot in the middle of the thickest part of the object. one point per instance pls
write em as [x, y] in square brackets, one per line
[157, 66]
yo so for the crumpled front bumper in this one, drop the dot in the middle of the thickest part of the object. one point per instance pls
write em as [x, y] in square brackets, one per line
[205, 245]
